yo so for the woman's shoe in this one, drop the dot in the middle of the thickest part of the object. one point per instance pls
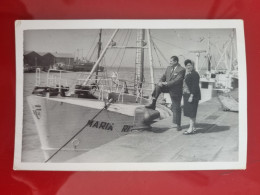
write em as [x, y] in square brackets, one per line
[188, 132]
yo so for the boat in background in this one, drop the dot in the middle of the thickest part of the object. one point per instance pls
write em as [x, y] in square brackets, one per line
[29, 69]
[83, 67]
[220, 81]
[82, 64]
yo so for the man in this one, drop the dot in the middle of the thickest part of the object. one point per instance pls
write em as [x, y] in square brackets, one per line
[171, 82]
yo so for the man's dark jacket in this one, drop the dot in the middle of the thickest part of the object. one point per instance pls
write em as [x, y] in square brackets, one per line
[174, 80]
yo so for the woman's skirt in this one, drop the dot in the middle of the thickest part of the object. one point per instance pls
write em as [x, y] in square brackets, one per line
[190, 108]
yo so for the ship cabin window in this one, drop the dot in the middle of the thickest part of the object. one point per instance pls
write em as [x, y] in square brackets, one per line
[204, 85]
[213, 76]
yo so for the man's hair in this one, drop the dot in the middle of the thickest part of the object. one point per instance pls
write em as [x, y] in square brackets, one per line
[175, 58]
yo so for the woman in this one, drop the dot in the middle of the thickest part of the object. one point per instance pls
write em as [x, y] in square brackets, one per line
[191, 94]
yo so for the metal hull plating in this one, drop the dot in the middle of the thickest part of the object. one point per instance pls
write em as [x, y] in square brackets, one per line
[58, 119]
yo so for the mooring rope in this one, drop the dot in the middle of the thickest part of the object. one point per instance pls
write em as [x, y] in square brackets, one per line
[104, 108]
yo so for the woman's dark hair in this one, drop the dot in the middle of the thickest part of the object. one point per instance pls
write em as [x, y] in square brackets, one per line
[186, 62]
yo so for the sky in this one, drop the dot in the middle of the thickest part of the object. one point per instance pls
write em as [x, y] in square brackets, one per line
[170, 42]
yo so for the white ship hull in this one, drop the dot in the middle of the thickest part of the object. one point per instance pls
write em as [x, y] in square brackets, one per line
[58, 119]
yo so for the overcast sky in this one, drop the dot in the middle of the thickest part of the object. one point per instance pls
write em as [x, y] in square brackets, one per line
[170, 42]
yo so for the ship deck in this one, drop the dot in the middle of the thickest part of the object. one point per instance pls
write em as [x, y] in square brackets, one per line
[216, 140]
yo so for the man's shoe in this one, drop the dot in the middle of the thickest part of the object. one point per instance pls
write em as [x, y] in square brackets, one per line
[179, 128]
[152, 105]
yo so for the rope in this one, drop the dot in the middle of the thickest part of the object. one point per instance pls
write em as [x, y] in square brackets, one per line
[167, 61]
[93, 51]
[156, 53]
[104, 108]
[124, 51]
[116, 52]
[90, 49]
[170, 44]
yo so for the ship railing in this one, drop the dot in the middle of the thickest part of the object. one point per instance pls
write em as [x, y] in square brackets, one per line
[139, 90]
[107, 85]
[120, 88]
[121, 92]
[103, 84]
[56, 81]
[115, 84]
[223, 82]
[38, 77]
[97, 80]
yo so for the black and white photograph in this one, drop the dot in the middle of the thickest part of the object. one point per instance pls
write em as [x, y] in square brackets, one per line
[130, 95]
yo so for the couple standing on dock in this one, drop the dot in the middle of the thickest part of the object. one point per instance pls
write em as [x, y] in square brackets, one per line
[178, 82]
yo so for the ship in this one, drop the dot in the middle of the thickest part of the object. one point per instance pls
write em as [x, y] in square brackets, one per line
[223, 78]
[96, 109]
[81, 64]
[220, 79]
[83, 67]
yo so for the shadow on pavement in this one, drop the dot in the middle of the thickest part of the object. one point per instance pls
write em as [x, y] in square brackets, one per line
[210, 128]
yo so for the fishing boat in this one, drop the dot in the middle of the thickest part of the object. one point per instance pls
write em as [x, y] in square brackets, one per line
[82, 64]
[94, 110]
[218, 71]
[28, 69]
[222, 80]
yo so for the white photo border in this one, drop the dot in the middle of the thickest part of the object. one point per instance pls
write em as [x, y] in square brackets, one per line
[22, 25]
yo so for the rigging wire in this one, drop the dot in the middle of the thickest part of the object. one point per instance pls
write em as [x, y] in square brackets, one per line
[200, 39]
[215, 62]
[92, 45]
[118, 51]
[124, 50]
[200, 68]
[160, 52]
[93, 51]
[156, 52]
[170, 44]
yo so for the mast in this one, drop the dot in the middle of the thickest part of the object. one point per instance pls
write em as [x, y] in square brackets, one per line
[100, 58]
[77, 56]
[139, 60]
[99, 50]
[209, 56]
[150, 58]
[197, 61]
[231, 52]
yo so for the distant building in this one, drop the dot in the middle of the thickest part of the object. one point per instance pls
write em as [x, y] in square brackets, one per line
[31, 58]
[50, 59]
[47, 59]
